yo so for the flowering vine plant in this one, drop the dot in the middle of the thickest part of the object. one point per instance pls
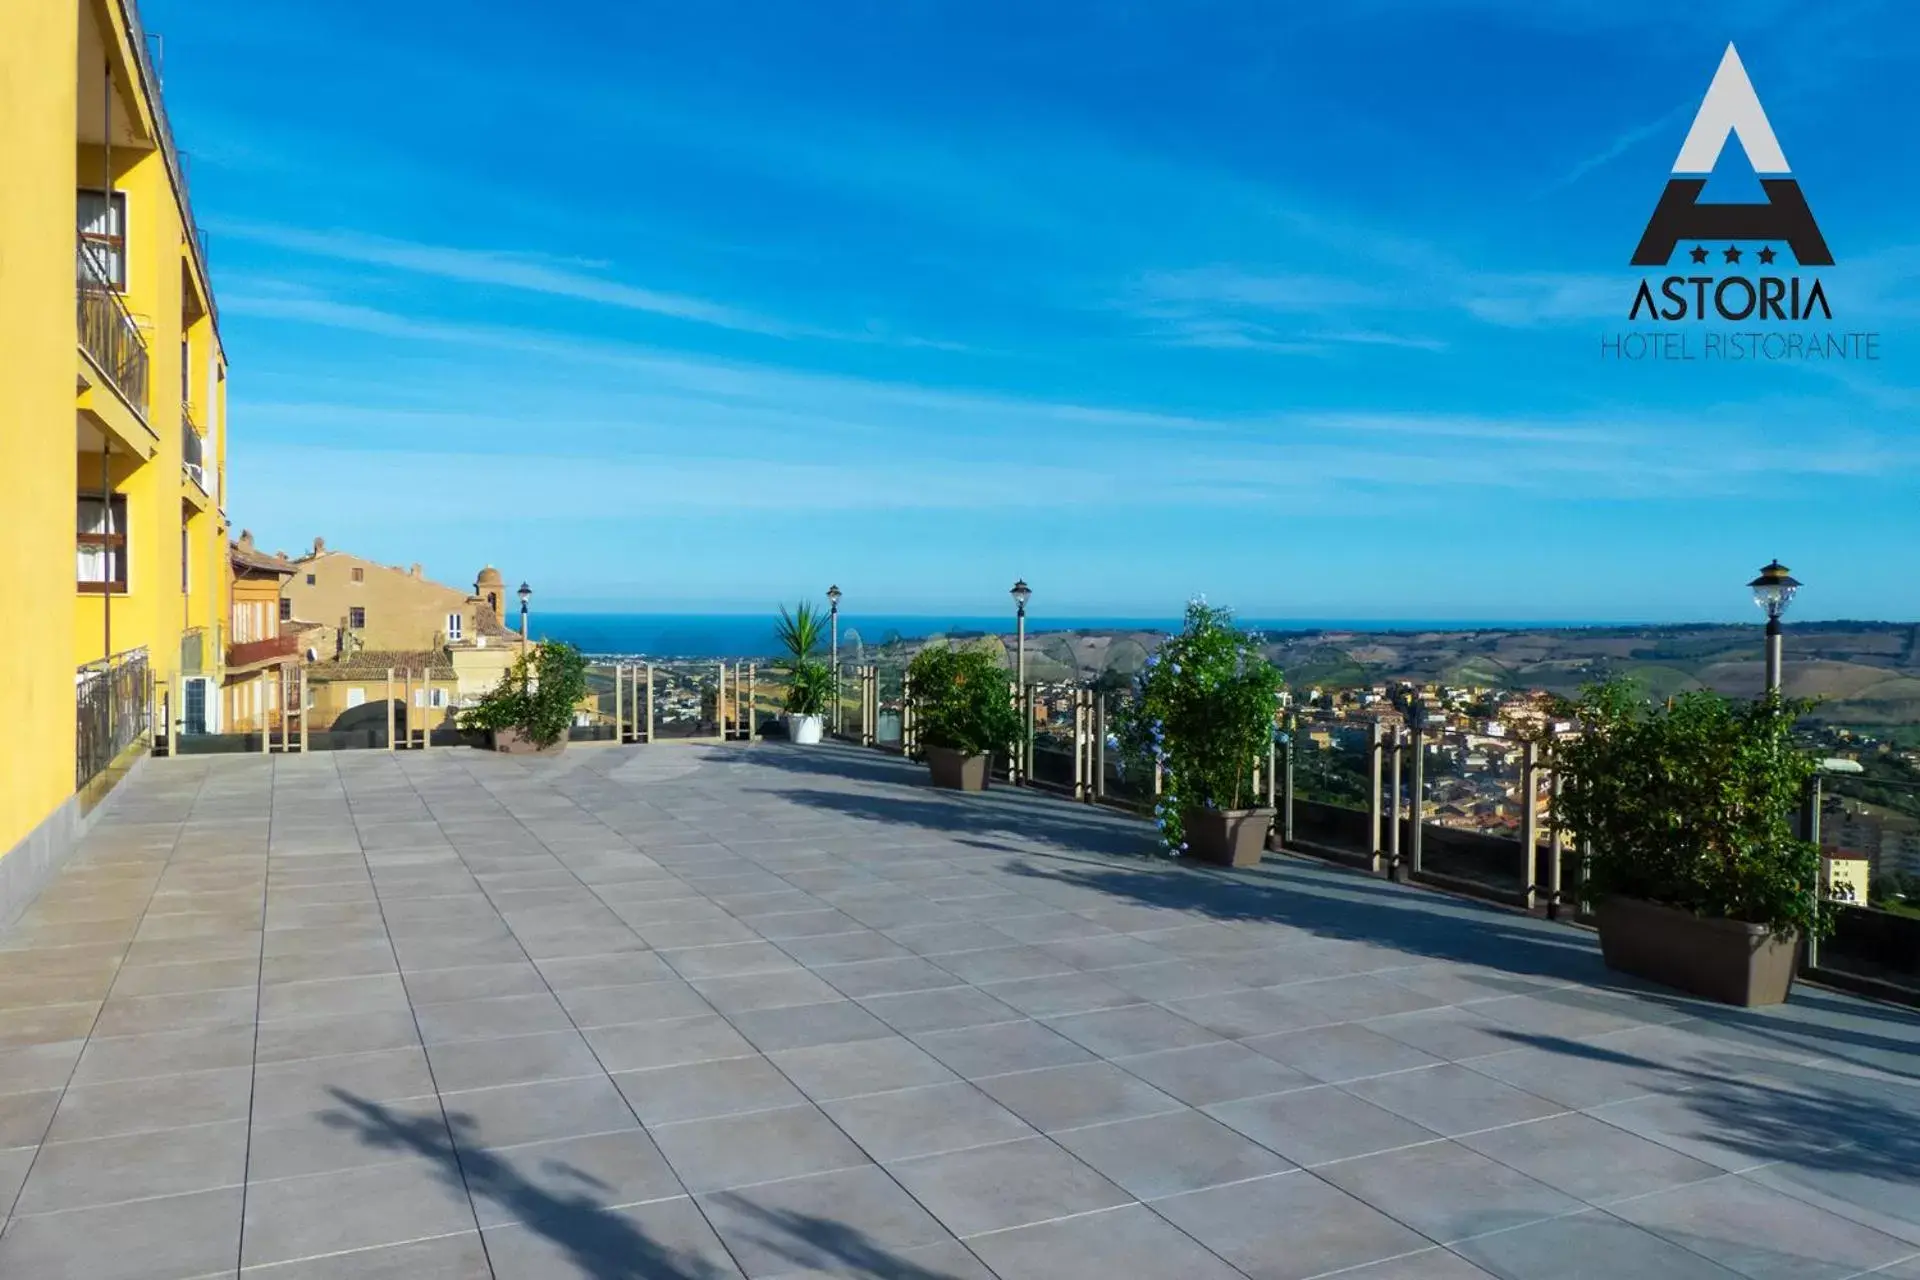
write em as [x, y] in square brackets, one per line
[1202, 711]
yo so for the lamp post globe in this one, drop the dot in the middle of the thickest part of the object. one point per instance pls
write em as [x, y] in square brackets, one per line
[525, 593]
[1773, 591]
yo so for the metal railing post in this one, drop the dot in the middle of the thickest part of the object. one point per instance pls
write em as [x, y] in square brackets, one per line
[753, 701]
[303, 711]
[1529, 823]
[906, 714]
[619, 703]
[1810, 831]
[1099, 744]
[1375, 746]
[1395, 868]
[1033, 707]
[1556, 848]
[266, 715]
[1419, 802]
[390, 716]
[1286, 792]
[1079, 749]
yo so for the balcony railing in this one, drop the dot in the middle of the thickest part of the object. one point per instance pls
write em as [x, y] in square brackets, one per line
[193, 450]
[108, 332]
[111, 699]
[249, 652]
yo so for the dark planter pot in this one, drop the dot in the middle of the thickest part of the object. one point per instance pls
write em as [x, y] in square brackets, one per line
[1229, 837]
[1726, 960]
[949, 768]
[515, 743]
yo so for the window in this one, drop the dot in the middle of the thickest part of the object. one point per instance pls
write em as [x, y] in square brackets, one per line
[102, 543]
[286, 609]
[357, 618]
[186, 371]
[356, 697]
[359, 575]
[186, 558]
[103, 230]
[309, 579]
[453, 627]
[436, 697]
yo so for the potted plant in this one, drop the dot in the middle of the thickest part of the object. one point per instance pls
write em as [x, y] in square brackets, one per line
[1202, 711]
[810, 685]
[963, 713]
[1697, 876]
[533, 706]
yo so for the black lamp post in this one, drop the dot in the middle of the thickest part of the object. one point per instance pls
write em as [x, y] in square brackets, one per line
[1773, 591]
[1021, 593]
[833, 626]
[526, 594]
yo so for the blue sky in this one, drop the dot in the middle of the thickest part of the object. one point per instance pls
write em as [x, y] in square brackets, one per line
[681, 307]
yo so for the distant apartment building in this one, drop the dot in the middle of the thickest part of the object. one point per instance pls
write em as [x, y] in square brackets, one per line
[266, 651]
[446, 646]
[373, 606]
[1890, 841]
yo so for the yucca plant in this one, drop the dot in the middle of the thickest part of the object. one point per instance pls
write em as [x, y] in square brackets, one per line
[809, 681]
[800, 632]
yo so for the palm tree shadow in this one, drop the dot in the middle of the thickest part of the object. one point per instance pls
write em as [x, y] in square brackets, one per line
[600, 1242]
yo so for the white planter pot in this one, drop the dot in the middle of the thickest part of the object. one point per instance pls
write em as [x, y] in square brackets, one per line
[804, 730]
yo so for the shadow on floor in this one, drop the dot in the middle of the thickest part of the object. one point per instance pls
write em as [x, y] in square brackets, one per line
[1022, 817]
[1771, 1110]
[603, 1243]
[1331, 902]
[821, 1246]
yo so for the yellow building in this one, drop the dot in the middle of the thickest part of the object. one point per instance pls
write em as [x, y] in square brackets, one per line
[90, 180]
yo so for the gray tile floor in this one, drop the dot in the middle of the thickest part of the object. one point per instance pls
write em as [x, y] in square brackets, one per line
[690, 1012]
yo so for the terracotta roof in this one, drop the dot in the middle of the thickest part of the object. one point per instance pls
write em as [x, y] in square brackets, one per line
[247, 558]
[488, 624]
[372, 664]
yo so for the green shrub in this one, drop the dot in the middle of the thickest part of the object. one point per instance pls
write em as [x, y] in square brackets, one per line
[1202, 709]
[537, 697]
[1691, 805]
[962, 701]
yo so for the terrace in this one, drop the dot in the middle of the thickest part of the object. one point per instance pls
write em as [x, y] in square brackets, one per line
[708, 1009]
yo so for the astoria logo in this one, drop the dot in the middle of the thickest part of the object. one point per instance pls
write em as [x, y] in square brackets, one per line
[1731, 109]
[1736, 263]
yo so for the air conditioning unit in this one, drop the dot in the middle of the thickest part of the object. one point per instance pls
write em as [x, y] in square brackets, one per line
[198, 472]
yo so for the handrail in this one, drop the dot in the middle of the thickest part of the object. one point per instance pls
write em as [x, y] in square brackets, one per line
[108, 331]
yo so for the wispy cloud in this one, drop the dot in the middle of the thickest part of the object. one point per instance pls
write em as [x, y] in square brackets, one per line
[499, 269]
[1226, 308]
[1618, 147]
[897, 443]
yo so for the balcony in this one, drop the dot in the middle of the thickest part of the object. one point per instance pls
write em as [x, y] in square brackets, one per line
[108, 334]
[847, 1014]
[193, 455]
[258, 652]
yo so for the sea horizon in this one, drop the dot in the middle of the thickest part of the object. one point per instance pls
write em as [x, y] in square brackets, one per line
[752, 635]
